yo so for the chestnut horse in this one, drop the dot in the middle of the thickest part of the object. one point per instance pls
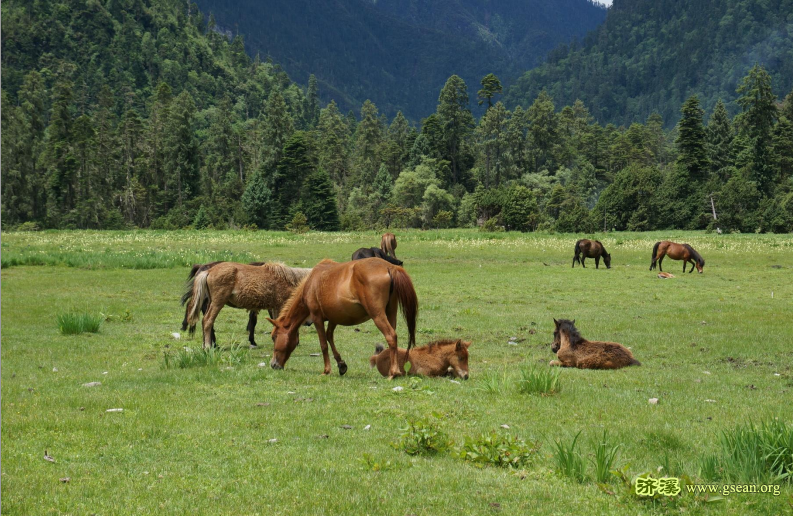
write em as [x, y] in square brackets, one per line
[591, 249]
[388, 244]
[188, 295]
[254, 288]
[573, 350]
[373, 252]
[437, 358]
[676, 252]
[347, 294]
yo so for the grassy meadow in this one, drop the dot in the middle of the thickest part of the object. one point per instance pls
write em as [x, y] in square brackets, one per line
[227, 436]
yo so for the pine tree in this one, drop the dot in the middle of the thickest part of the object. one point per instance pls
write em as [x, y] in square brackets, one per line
[58, 152]
[490, 87]
[311, 103]
[278, 128]
[692, 139]
[782, 146]
[333, 143]
[293, 169]
[368, 145]
[457, 124]
[318, 202]
[181, 166]
[256, 200]
[491, 144]
[720, 138]
[756, 123]
[543, 131]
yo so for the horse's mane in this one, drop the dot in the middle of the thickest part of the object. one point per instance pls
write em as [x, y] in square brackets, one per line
[296, 294]
[697, 256]
[291, 275]
[602, 246]
[438, 344]
[573, 335]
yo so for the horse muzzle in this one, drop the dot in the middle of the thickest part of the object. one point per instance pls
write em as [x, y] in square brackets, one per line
[275, 365]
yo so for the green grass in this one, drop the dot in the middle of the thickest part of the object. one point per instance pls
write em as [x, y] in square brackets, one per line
[539, 380]
[569, 461]
[74, 323]
[182, 358]
[236, 438]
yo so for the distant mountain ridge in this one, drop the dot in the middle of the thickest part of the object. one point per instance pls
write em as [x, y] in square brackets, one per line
[650, 55]
[399, 53]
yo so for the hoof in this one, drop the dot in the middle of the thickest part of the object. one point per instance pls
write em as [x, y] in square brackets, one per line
[342, 368]
[253, 345]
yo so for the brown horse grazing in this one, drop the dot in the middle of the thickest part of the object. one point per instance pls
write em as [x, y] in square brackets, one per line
[573, 350]
[373, 252]
[188, 295]
[388, 244]
[254, 288]
[347, 294]
[437, 358]
[676, 252]
[591, 249]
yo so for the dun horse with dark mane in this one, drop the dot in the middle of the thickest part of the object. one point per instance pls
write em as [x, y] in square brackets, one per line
[388, 244]
[437, 358]
[254, 288]
[573, 350]
[591, 249]
[347, 294]
[676, 252]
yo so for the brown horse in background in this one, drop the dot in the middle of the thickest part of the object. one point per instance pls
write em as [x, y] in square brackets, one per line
[676, 252]
[573, 350]
[254, 288]
[347, 294]
[591, 249]
[188, 295]
[437, 358]
[373, 252]
[388, 244]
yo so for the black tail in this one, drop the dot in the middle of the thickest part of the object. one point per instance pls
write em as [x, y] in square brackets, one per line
[378, 349]
[577, 253]
[655, 254]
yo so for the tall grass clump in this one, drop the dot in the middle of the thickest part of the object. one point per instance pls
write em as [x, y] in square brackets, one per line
[569, 461]
[74, 323]
[492, 382]
[542, 380]
[754, 453]
[604, 458]
[187, 357]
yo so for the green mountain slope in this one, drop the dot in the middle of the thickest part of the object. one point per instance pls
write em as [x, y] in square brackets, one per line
[650, 55]
[399, 53]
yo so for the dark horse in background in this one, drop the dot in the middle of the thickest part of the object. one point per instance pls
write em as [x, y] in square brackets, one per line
[373, 252]
[591, 249]
[676, 252]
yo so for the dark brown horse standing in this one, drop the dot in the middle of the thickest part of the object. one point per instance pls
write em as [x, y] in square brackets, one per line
[373, 252]
[347, 294]
[591, 249]
[676, 252]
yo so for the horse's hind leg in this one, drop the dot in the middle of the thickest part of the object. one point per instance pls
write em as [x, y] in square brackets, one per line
[208, 324]
[597, 262]
[253, 318]
[342, 365]
[204, 313]
[660, 264]
[575, 258]
[583, 259]
[385, 327]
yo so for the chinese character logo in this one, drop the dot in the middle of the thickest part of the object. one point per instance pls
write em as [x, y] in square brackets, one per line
[667, 486]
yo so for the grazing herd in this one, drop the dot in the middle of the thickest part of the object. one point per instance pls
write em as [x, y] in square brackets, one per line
[373, 286]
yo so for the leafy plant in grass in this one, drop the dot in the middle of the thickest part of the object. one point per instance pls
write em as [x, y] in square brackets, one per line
[754, 453]
[73, 323]
[422, 438]
[187, 357]
[505, 451]
[542, 380]
[492, 382]
[569, 461]
[372, 464]
[604, 458]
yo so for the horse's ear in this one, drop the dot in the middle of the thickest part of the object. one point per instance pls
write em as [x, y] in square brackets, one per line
[467, 344]
[459, 345]
[556, 322]
[573, 322]
[272, 321]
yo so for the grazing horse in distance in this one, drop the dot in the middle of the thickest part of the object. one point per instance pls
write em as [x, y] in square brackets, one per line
[347, 294]
[252, 287]
[591, 249]
[437, 358]
[676, 252]
[388, 244]
[573, 350]
[188, 295]
[373, 252]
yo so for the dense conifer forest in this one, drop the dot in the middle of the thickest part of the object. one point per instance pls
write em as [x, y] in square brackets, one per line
[139, 113]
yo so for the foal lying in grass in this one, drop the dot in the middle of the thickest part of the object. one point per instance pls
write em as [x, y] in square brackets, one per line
[435, 359]
[573, 350]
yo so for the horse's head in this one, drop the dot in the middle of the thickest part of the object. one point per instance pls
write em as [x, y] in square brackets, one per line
[285, 340]
[607, 260]
[700, 266]
[459, 360]
[557, 334]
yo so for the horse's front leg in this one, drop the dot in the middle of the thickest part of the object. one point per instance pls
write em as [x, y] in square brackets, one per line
[319, 324]
[382, 323]
[339, 361]
[253, 317]
[555, 363]
[692, 268]
[684, 266]
[597, 262]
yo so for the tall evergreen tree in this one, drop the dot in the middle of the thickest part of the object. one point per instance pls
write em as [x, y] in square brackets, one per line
[457, 123]
[279, 127]
[333, 142]
[756, 123]
[543, 130]
[318, 202]
[293, 169]
[491, 86]
[311, 103]
[720, 138]
[368, 144]
[692, 140]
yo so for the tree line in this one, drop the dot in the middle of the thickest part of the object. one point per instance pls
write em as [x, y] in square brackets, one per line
[182, 129]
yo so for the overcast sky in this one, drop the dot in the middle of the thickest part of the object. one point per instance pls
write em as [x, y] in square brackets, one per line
[604, 2]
